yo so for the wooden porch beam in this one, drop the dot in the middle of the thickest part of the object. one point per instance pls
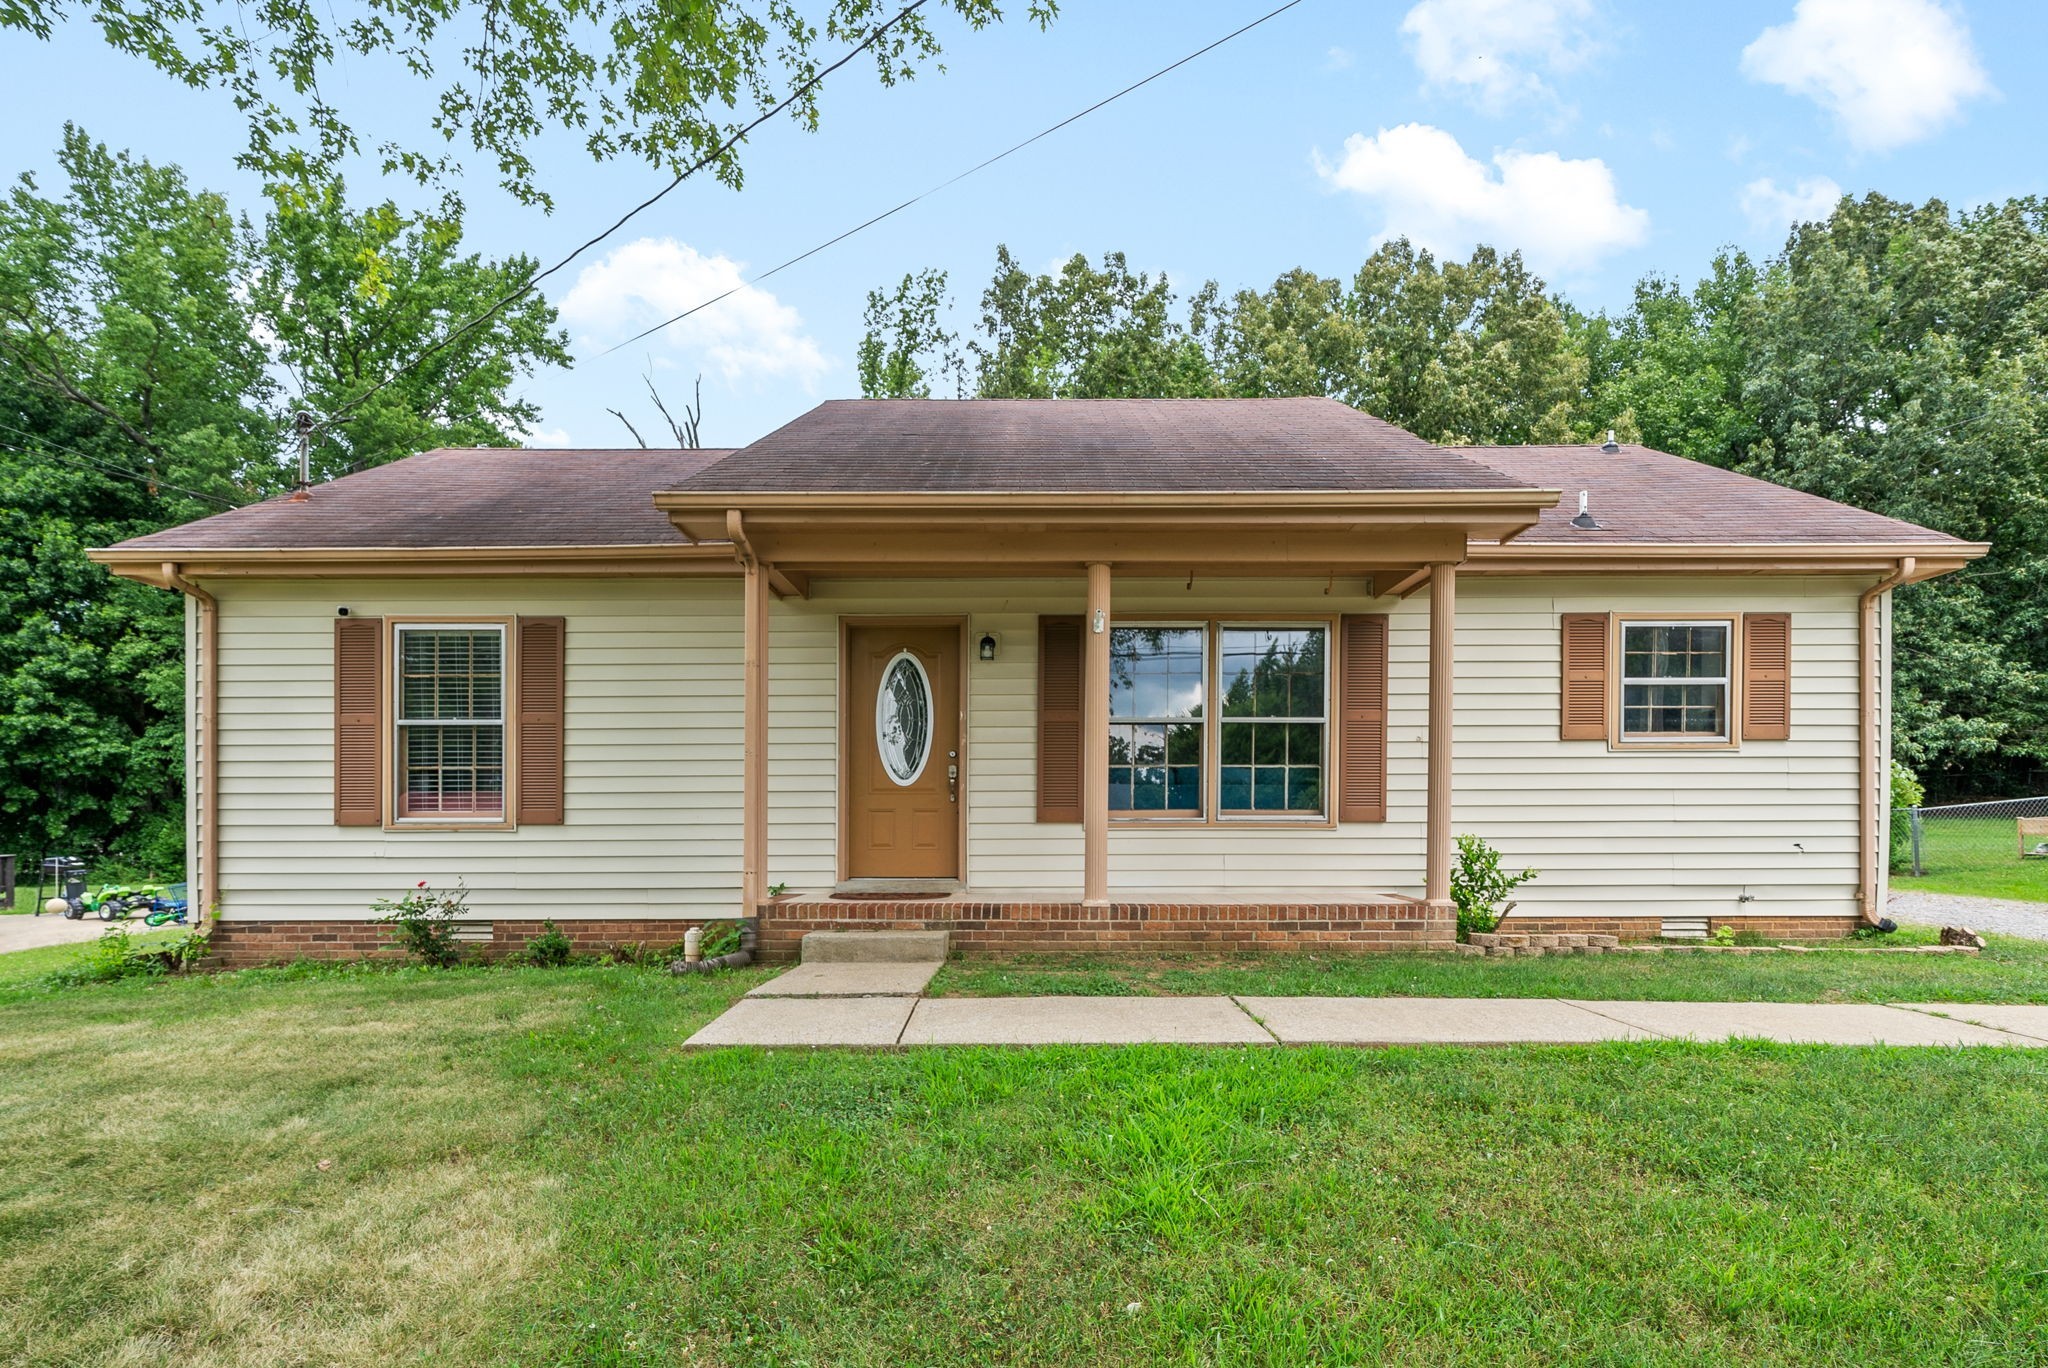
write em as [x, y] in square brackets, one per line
[1409, 583]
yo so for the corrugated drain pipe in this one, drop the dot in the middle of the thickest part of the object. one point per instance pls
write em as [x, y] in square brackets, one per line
[1874, 768]
[206, 750]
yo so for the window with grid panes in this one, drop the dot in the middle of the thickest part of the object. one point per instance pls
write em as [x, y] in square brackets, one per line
[1272, 702]
[1157, 682]
[1264, 738]
[450, 721]
[1674, 681]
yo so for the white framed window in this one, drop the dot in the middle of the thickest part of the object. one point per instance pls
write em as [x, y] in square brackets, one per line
[1219, 720]
[1675, 681]
[449, 715]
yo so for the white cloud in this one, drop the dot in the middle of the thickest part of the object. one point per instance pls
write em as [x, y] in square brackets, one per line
[1890, 71]
[1337, 59]
[1772, 207]
[1562, 214]
[546, 437]
[751, 333]
[1497, 51]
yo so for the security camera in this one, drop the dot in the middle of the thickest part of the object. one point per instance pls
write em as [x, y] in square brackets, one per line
[341, 612]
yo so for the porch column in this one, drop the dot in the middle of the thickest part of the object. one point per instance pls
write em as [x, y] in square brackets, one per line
[1095, 740]
[754, 744]
[1443, 613]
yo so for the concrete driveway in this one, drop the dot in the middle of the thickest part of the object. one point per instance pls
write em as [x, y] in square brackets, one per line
[24, 931]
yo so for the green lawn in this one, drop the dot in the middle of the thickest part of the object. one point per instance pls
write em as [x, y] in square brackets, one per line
[2011, 970]
[1975, 856]
[521, 1166]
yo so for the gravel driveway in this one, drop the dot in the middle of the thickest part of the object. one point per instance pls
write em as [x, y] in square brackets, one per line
[2029, 919]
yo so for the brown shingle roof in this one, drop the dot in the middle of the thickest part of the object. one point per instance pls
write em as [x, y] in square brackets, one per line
[467, 497]
[1083, 445]
[1639, 495]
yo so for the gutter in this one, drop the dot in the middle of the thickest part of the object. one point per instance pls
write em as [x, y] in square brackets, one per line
[1874, 768]
[206, 840]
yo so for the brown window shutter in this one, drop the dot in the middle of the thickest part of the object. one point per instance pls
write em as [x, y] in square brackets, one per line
[1059, 719]
[1583, 710]
[1766, 676]
[1362, 719]
[538, 720]
[359, 721]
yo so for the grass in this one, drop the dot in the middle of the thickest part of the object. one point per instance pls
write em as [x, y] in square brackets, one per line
[1977, 857]
[2011, 970]
[376, 1166]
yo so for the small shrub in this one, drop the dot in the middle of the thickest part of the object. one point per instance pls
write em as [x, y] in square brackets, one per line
[114, 956]
[720, 938]
[1479, 886]
[634, 952]
[1907, 792]
[423, 921]
[550, 949]
[1724, 934]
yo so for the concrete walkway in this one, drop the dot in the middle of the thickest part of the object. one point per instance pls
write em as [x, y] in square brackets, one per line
[857, 1005]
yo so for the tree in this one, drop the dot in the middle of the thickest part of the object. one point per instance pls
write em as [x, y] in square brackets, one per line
[350, 296]
[662, 82]
[905, 343]
[141, 324]
[1463, 352]
[1089, 334]
[1891, 357]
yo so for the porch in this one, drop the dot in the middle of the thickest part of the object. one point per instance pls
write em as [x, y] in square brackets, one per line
[811, 569]
[985, 924]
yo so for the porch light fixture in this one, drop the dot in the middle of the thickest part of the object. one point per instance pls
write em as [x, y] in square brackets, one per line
[988, 646]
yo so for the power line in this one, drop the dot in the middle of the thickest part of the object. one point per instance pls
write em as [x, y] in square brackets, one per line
[979, 166]
[533, 282]
[82, 461]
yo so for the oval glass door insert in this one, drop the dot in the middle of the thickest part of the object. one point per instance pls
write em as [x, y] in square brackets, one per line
[903, 718]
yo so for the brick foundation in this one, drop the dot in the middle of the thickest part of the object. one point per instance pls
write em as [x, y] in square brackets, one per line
[1651, 928]
[1008, 928]
[996, 929]
[243, 943]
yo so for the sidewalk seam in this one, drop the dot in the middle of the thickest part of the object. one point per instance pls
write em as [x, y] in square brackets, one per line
[1271, 1034]
[1604, 1016]
[1950, 1016]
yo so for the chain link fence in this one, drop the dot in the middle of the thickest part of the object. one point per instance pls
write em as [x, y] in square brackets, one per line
[1997, 849]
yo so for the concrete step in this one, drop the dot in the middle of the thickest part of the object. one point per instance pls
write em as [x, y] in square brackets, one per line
[874, 947]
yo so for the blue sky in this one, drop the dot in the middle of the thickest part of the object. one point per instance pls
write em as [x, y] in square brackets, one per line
[1606, 140]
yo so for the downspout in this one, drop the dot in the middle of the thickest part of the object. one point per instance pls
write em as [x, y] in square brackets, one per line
[1873, 768]
[207, 830]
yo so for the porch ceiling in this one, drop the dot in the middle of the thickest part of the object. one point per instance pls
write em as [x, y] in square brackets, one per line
[1287, 532]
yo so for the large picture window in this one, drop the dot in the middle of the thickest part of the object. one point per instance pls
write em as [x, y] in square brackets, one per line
[1261, 745]
[1674, 681]
[450, 719]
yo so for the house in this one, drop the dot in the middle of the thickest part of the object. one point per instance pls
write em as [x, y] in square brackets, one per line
[1052, 674]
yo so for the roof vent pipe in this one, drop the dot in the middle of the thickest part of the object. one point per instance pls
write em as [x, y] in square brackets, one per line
[1585, 518]
[1610, 446]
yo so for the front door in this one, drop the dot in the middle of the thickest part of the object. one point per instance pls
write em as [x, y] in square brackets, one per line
[902, 738]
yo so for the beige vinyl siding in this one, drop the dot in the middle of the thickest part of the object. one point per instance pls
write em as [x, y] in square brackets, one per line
[1619, 831]
[653, 762]
[654, 748]
[1009, 850]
